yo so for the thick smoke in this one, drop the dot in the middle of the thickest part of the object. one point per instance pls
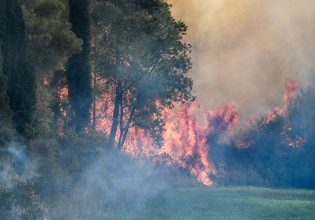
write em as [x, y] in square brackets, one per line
[244, 51]
[114, 183]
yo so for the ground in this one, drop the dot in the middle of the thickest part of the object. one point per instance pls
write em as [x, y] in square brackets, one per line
[225, 203]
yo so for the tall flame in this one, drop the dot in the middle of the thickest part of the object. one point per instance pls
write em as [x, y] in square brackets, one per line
[189, 130]
[290, 94]
[187, 127]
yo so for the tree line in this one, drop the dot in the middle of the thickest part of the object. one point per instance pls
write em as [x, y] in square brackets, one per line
[56, 58]
[134, 47]
[279, 153]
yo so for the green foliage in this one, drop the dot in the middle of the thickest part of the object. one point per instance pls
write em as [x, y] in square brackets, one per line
[138, 48]
[19, 72]
[51, 41]
[23, 203]
[63, 161]
[19, 199]
[49, 9]
[42, 121]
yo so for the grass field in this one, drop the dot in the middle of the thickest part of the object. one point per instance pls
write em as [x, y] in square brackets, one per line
[225, 203]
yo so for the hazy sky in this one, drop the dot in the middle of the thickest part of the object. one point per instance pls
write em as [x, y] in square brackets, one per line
[244, 51]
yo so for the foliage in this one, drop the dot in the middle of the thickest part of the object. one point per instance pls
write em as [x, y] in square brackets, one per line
[50, 43]
[20, 75]
[280, 153]
[138, 50]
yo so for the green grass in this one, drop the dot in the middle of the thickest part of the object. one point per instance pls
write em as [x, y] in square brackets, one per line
[225, 203]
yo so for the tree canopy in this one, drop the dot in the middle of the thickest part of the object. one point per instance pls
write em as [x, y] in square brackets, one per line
[139, 51]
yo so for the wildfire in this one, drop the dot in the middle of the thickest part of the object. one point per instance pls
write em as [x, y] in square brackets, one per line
[187, 128]
[190, 129]
[281, 111]
[290, 94]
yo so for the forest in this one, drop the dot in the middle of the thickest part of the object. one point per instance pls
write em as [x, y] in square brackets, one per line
[97, 105]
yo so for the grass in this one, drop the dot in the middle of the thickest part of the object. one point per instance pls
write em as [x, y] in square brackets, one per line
[225, 203]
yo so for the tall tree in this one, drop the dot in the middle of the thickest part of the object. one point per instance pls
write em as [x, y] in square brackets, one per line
[50, 44]
[140, 53]
[18, 71]
[78, 69]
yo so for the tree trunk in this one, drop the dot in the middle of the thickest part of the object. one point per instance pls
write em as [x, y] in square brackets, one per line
[113, 131]
[78, 68]
[124, 132]
[94, 103]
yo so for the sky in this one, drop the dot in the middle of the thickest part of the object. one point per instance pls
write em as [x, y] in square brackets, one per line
[244, 51]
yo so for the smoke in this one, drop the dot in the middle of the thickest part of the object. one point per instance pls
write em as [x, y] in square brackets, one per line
[18, 172]
[244, 51]
[15, 167]
[113, 182]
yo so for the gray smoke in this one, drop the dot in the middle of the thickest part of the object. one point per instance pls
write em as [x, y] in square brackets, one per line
[244, 51]
[17, 173]
[113, 182]
[15, 167]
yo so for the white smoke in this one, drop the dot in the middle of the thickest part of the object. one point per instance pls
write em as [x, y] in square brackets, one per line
[112, 182]
[15, 167]
[244, 51]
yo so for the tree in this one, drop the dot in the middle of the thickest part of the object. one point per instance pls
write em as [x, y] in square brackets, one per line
[78, 68]
[278, 153]
[140, 53]
[50, 44]
[19, 72]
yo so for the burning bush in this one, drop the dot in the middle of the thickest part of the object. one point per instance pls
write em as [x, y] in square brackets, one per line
[279, 151]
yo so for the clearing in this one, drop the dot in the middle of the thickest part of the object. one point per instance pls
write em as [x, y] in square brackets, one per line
[225, 203]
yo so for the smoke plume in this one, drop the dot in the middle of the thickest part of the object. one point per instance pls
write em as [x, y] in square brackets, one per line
[244, 51]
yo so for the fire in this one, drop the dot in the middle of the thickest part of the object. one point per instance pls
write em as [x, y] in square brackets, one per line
[190, 129]
[290, 94]
[281, 111]
[187, 128]
[186, 137]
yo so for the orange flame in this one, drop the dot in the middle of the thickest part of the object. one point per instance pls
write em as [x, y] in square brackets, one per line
[290, 94]
[188, 128]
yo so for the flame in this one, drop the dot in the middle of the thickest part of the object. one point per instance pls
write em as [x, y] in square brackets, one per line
[290, 94]
[190, 128]
[187, 127]
[281, 111]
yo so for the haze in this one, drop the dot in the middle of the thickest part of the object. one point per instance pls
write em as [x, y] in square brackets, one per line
[244, 51]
